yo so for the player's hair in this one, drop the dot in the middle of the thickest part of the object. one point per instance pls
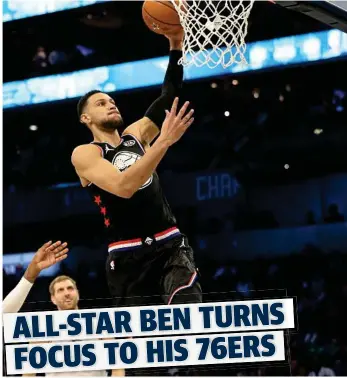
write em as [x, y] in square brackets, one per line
[83, 101]
[60, 279]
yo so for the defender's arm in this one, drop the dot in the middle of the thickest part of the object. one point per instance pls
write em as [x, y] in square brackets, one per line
[46, 256]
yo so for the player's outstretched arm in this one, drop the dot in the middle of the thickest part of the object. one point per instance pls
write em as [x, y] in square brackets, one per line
[91, 166]
[46, 256]
[148, 128]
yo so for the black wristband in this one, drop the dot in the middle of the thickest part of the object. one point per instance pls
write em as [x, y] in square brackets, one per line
[174, 74]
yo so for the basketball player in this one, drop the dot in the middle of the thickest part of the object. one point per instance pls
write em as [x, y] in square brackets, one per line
[65, 296]
[150, 260]
[46, 256]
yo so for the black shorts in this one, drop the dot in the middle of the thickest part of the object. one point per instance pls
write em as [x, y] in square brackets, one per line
[156, 274]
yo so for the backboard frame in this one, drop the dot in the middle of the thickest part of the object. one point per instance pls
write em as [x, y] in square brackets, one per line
[331, 13]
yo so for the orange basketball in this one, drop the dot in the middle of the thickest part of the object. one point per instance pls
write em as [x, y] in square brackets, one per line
[161, 17]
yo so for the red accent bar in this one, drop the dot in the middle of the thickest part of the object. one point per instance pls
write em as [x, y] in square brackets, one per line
[165, 232]
[124, 241]
[139, 239]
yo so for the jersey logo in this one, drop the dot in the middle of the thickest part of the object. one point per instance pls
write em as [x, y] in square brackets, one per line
[125, 159]
[107, 149]
[129, 143]
[149, 241]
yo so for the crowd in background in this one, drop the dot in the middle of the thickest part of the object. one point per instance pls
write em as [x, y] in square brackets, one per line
[316, 280]
[293, 115]
[56, 61]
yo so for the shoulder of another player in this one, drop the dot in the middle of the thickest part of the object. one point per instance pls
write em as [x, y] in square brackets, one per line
[83, 153]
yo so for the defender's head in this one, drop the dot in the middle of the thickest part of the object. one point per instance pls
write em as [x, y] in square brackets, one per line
[99, 109]
[64, 293]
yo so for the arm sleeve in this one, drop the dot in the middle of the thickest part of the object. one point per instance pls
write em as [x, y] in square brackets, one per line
[171, 88]
[15, 299]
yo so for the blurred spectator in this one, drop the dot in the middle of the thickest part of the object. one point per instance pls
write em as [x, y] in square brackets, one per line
[85, 51]
[57, 58]
[317, 280]
[334, 216]
[310, 218]
[40, 60]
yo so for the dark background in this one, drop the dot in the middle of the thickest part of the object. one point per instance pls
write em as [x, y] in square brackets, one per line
[260, 136]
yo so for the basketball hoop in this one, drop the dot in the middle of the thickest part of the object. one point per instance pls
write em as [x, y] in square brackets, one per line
[215, 31]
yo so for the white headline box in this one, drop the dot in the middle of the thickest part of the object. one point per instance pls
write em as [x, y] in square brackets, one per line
[149, 321]
[146, 352]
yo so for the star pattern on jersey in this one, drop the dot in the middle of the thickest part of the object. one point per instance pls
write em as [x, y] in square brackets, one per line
[103, 210]
[97, 200]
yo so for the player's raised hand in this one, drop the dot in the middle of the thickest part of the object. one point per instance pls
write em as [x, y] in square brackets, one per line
[46, 256]
[49, 254]
[176, 124]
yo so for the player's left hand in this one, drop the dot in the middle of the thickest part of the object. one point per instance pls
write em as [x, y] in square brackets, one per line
[46, 256]
[176, 124]
[49, 254]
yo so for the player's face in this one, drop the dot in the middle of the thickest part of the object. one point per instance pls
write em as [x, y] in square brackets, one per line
[65, 295]
[103, 112]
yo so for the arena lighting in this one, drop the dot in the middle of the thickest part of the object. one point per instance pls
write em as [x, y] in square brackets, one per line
[256, 93]
[227, 113]
[327, 45]
[317, 131]
[281, 98]
[15, 10]
[214, 85]
[235, 82]
[12, 261]
[286, 166]
[33, 128]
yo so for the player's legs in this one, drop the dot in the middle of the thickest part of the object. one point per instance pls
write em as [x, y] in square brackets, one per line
[179, 280]
[133, 278]
[153, 275]
[116, 279]
[192, 294]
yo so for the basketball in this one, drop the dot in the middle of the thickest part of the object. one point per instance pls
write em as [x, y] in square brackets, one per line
[161, 17]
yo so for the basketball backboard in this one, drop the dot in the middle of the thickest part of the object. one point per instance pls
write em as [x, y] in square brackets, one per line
[332, 13]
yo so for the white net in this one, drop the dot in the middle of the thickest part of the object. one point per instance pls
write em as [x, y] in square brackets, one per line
[215, 31]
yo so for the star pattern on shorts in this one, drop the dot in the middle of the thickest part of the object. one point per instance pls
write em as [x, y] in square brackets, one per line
[107, 222]
[103, 210]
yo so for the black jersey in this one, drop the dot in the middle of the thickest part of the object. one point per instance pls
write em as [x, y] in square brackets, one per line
[146, 213]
